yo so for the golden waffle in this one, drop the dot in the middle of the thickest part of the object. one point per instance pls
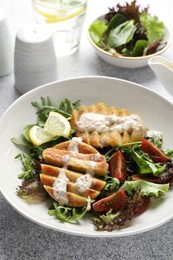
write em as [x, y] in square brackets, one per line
[86, 162]
[113, 136]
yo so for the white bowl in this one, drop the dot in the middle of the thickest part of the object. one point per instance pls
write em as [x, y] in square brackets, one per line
[128, 62]
[90, 90]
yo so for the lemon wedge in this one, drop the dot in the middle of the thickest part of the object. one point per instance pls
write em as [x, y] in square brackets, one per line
[57, 125]
[39, 136]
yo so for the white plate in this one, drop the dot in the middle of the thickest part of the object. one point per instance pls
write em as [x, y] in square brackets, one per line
[155, 111]
[129, 62]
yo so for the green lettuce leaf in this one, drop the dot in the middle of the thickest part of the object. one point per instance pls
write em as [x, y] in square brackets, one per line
[122, 34]
[115, 21]
[139, 48]
[146, 188]
[154, 27]
[145, 164]
[97, 30]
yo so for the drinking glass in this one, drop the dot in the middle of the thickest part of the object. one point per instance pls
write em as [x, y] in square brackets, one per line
[65, 19]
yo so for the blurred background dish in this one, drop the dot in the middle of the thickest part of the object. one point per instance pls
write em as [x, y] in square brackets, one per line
[118, 59]
[64, 19]
[6, 46]
[163, 68]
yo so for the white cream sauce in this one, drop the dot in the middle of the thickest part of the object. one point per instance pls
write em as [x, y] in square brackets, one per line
[65, 160]
[60, 188]
[83, 183]
[96, 157]
[154, 134]
[103, 123]
[91, 167]
[74, 145]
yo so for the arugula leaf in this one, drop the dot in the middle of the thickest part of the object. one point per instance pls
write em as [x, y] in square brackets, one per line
[24, 139]
[25, 132]
[122, 34]
[69, 214]
[146, 188]
[112, 185]
[46, 105]
[19, 141]
[28, 165]
[154, 27]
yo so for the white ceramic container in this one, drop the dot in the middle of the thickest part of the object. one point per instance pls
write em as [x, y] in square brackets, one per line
[6, 46]
[35, 59]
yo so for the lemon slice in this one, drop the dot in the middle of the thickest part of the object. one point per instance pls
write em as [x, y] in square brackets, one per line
[57, 125]
[53, 17]
[39, 136]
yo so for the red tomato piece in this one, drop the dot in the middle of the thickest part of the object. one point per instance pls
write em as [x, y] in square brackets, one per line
[144, 206]
[154, 153]
[118, 168]
[114, 202]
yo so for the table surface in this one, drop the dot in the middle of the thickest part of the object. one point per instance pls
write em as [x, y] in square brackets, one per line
[22, 239]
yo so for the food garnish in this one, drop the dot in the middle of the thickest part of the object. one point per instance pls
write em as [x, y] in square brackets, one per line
[110, 184]
[128, 30]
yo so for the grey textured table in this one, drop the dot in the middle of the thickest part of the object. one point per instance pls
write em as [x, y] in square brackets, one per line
[22, 239]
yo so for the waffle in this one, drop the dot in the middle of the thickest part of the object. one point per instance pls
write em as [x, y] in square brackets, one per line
[116, 126]
[71, 163]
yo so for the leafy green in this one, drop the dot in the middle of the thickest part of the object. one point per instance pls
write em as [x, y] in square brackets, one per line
[43, 109]
[115, 21]
[97, 30]
[122, 34]
[46, 105]
[28, 166]
[23, 140]
[146, 188]
[69, 214]
[154, 27]
[129, 30]
[112, 185]
[31, 191]
[145, 164]
[138, 49]
[112, 221]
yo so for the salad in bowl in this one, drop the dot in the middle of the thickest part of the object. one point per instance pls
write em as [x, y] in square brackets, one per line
[98, 162]
[128, 34]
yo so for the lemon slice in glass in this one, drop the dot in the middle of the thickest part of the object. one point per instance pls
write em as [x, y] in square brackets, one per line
[57, 125]
[39, 136]
[54, 15]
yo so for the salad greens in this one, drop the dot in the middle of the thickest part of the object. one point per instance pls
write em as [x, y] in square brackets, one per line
[129, 31]
[145, 178]
[69, 214]
[146, 188]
